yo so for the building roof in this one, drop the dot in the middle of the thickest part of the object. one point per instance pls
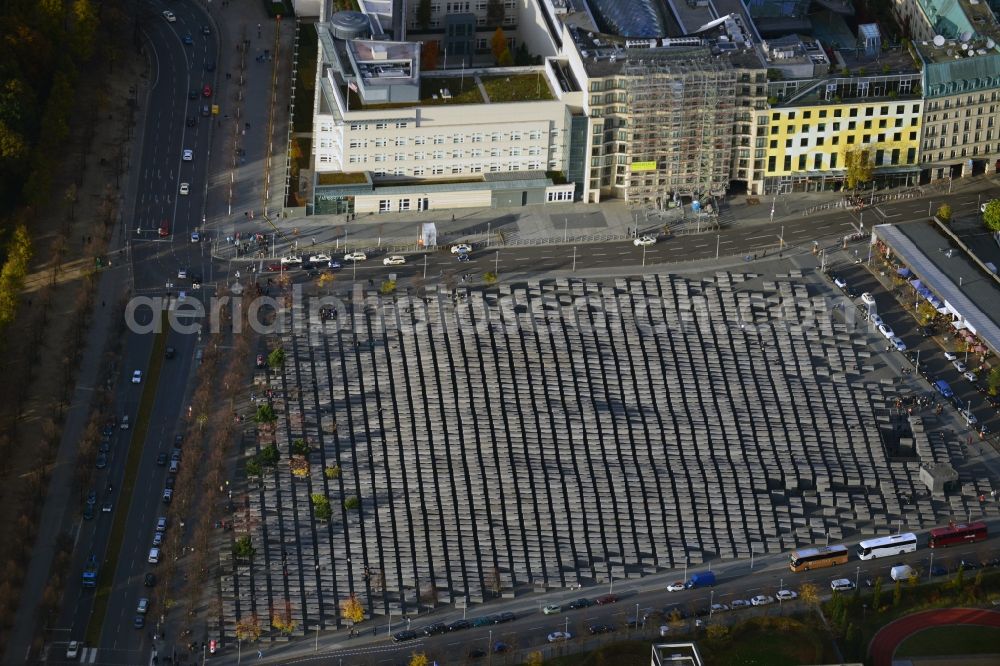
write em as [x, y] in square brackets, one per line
[385, 63]
[966, 288]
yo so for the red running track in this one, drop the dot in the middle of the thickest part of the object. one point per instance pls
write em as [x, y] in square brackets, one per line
[888, 638]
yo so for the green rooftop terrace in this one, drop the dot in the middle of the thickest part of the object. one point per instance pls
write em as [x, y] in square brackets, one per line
[470, 89]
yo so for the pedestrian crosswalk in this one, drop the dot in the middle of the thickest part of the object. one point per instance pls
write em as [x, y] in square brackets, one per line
[88, 655]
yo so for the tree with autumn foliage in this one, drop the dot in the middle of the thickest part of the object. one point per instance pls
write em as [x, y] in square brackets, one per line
[352, 610]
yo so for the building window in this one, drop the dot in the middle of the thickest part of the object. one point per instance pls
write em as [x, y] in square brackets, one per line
[437, 170]
[788, 162]
[458, 138]
[356, 143]
[384, 205]
[400, 124]
[404, 204]
[456, 169]
[818, 161]
[438, 140]
[833, 160]
[399, 157]
[476, 168]
[418, 171]
[494, 167]
[534, 135]
[418, 141]
[477, 138]
[381, 126]
[400, 141]
[356, 127]
[496, 136]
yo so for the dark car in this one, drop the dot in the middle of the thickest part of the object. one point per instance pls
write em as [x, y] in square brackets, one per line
[206, 90]
[476, 653]
[435, 629]
[600, 629]
[205, 30]
[191, 121]
[188, 39]
[462, 258]
[171, 480]
[149, 580]
[260, 361]
[209, 65]
[581, 603]
[192, 94]
[161, 459]
[939, 571]
[606, 599]
[139, 622]
[178, 441]
[458, 625]
[506, 616]
[484, 621]
[500, 648]
[926, 331]
[967, 565]
[405, 635]
[102, 461]
[170, 352]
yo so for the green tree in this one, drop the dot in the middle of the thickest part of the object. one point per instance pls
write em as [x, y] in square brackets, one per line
[858, 162]
[959, 581]
[494, 12]
[300, 448]
[993, 381]
[387, 287]
[86, 22]
[424, 14]
[276, 358]
[490, 277]
[991, 215]
[248, 629]
[243, 548]
[877, 594]
[352, 502]
[897, 594]
[505, 59]
[522, 57]
[265, 414]
[269, 455]
[321, 507]
[254, 467]
[943, 212]
[332, 472]
[717, 632]
[498, 43]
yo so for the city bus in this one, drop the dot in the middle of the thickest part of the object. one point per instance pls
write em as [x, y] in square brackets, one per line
[961, 533]
[890, 545]
[817, 558]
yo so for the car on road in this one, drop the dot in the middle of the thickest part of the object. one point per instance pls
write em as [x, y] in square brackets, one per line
[207, 90]
[898, 344]
[841, 584]
[394, 260]
[107, 507]
[552, 609]
[505, 616]
[867, 298]
[195, 237]
[435, 629]
[274, 268]
[886, 332]
[187, 39]
[185, 188]
[951, 356]
[187, 155]
[92, 497]
[559, 636]
[405, 635]
[261, 362]
[125, 422]
[959, 365]
[157, 539]
[191, 121]
[461, 248]
[595, 629]
[73, 650]
[167, 493]
[876, 320]
[355, 256]
[170, 482]
[205, 109]
[291, 260]
[719, 608]
[839, 281]
[205, 30]
[137, 377]
[102, 461]
[970, 375]
[676, 586]
[580, 603]
[787, 595]
[88, 511]
[169, 15]
[606, 599]
[476, 653]
[333, 265]
[142, 606]
[139, 622]
[154, 556]
[458, 625]
[192, 94]
[737, 604]
[644, 241]
[463, 258]
[319, 258]
[175, 466]
[164, 229]
[484, 620]
[161, 524]
[161, 459]
[762, 600]
[500, 648]
[209, 65]
[149, 580]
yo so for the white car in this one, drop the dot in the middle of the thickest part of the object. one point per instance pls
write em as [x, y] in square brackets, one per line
[182, 274]
[125, 424]
[867, 298]
[676, 586]
[898, 344]
[951, 356]
[719, 608]
[841, 585]
[737, 604]
[394, 260]
[195, 237]
[969, 417]
[169, 15]
[644, 241]
[886, 332]
[142, 606]
[559, 636]
[319, 259]
[959, 365]
[161, 524]
[355, 256]
[137, 377]
[787, 595]
[840, 282]
[876, 320]
[970, 375]
[762, 600]
[154, 556]
[291, 260]
[185, 188]
[188, 155]
[552, 609]
[73, 650]
[157, 538]
[461, 248]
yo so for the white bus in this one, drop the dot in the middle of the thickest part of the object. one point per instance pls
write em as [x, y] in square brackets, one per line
[890, 545]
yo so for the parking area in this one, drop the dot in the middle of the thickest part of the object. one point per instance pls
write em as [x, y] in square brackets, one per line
[474, 444]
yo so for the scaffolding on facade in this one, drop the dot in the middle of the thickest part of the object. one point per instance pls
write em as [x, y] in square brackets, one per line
[682, 114]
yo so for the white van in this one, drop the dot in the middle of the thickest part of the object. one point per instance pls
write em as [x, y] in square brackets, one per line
[841, 585]
[902, 572]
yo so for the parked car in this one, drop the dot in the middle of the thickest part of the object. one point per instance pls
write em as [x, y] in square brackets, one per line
[137, 377]
[405, 635]
[505, 616]
[291, 260]
[142, 606]
[676, 586]
[355, 256]
[867, 298]
[394, 260]
[644, 241]
[154, 556]
[458, 625]
[606, 599]
[839, 281]
[73, 650]
[484, 621]
[841, 585]
[102, 461]
[461, 248]
[600, 629]
[552, 609]
[168, 495]
[762, 600]
[559, 636]
[959, 365]
[580, 603]
[787, 595]
[951, 356]
[149, 580]
[898, 344]
[737, 604]
[970, 375]
[435, 629]
[886, 332]
[161, 524]
[719, 608]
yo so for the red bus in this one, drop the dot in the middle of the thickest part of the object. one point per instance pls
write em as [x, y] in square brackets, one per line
[960, 533]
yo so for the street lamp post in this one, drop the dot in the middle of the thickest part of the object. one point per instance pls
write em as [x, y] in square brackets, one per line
[857, 577]
[425, 266]
[574, 258]
[644, 255]
[489, 646]
[711, 603]
[496, 266]
[718, 239]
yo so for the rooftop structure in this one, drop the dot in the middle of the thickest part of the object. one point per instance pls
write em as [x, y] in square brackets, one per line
[676, 654]
[635, 18]
[796, 57]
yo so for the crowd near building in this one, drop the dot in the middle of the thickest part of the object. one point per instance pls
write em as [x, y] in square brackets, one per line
[436, 104]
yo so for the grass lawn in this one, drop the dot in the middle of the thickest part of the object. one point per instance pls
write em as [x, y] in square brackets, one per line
[626, 653]
[770, 642]
[951, 640]
[517, 88]
[305, 78]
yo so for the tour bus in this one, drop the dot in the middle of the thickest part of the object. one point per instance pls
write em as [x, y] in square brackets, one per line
[818, 558]
[890, 545]
[962, 533]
